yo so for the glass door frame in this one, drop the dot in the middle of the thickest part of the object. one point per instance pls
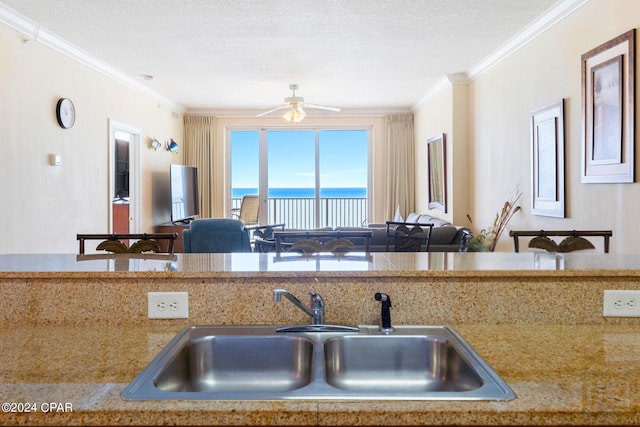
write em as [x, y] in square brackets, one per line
[263, 184]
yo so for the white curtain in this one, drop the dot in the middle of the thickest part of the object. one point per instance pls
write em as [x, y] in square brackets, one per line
[199, 137]
[400, 165]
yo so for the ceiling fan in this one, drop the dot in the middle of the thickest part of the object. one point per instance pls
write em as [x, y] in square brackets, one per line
[293, 104]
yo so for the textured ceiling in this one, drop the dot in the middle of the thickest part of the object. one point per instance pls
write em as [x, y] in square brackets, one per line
[243, 54]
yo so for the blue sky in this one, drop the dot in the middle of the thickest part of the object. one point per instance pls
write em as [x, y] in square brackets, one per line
[291, 158]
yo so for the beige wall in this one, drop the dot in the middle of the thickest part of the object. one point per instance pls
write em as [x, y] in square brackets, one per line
[44, 207]
[376, 156]
[434, 118]
[446, 113]
[499, 105]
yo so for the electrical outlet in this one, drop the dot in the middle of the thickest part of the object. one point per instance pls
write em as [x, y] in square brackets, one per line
[168, 305]
[621, 303]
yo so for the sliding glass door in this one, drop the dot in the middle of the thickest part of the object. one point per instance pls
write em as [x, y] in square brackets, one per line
[291, 178]
[245, 165]
[343, 177]
[306, 178]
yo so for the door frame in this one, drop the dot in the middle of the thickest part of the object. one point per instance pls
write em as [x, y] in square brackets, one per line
[263, 183]
[135, 199]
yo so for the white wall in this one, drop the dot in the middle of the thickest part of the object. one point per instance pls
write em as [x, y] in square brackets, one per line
[499, 106]
[44, 207]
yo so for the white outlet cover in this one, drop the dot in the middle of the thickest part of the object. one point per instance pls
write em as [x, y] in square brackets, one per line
[621, 303]
[168, 305]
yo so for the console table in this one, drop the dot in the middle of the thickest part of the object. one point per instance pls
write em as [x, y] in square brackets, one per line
[606, 234]
[321, 235]
[178, 245]
[116, 242]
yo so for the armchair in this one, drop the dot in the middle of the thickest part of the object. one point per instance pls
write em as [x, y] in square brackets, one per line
[216, 235]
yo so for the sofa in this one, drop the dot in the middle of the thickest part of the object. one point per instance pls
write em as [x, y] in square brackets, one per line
[445, 237]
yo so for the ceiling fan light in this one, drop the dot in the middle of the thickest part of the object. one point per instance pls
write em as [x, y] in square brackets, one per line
[295, 114]
[288, 116]
[298, 115]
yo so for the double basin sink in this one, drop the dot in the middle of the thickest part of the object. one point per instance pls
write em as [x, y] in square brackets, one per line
[259, 363]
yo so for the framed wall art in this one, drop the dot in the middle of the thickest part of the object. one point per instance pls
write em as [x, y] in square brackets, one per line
[436, 150]
[547, 160]
[608, 117]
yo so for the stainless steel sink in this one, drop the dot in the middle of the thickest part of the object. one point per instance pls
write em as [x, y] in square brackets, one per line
[258, 363]
[411, 364]
[219, 363]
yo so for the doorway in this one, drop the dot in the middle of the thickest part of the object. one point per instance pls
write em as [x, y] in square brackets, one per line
[124, 178]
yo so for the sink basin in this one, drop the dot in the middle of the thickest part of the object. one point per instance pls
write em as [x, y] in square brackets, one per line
[234, 363]
[384, 364]
[260, 363]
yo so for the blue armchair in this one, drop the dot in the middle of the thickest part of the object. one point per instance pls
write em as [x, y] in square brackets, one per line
[216, 235]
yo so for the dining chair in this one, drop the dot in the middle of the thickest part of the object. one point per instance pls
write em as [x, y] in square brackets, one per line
[248, 211]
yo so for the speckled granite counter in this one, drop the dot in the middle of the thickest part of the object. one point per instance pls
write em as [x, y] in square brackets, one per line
[76, 331]
[374, 264]
[562, 375]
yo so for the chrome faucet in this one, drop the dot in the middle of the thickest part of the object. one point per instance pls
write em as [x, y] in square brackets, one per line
[317, 304]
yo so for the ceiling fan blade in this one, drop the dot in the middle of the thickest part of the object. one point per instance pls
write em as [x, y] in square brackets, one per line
[322, 107]
[282, 107]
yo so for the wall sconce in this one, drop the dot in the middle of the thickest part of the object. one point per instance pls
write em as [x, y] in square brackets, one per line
[172, 146]
[155, 144]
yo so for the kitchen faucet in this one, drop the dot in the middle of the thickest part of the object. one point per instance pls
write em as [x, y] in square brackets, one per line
[317, 304]
[385, 314]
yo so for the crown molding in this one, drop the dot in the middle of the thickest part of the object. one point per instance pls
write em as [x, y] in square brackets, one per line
[442, 84]
[459, 78]
[252, 112]
[32, 31]
[557, 13]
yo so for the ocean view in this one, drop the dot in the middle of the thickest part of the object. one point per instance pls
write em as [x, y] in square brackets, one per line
[298, 193]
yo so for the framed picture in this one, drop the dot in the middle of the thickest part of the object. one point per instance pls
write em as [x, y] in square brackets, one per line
[436, 149]
[547, 160]
[608, 117]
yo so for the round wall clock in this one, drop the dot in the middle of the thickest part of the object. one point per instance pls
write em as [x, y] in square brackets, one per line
[65, 113]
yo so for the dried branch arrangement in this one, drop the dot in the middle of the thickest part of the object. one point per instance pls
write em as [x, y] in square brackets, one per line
[487, 239]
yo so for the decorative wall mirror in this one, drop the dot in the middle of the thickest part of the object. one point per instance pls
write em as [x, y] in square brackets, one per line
[437, 172]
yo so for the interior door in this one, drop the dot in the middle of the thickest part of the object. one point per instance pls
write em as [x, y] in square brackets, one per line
[124, 182]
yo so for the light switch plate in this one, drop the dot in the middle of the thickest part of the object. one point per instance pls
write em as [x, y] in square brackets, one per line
[621, 303]
[168, 305]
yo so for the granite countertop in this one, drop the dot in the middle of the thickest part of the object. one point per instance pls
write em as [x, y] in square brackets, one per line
[586, 374]
[382, 264]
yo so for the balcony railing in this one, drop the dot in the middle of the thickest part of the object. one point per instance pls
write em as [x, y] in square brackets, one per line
[301, 212]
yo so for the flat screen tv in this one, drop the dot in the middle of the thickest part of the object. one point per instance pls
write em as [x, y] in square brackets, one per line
[184, 193]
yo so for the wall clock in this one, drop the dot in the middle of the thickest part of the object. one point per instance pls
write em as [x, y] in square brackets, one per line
[65, 113]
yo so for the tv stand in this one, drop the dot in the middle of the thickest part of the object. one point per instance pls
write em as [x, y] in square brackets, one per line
[178, 228]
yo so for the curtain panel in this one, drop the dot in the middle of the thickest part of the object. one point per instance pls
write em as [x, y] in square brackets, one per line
[400, 165]
[199, 137]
